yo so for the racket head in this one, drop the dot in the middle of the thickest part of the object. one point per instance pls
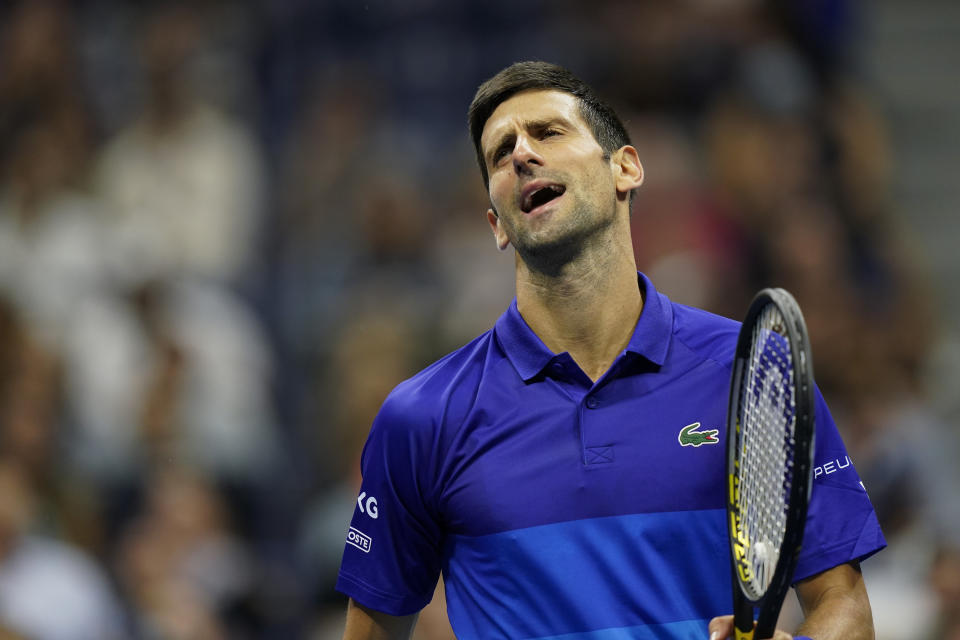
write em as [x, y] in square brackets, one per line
[770, 427]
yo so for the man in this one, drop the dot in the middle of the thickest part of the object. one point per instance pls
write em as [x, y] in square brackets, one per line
[541, 467]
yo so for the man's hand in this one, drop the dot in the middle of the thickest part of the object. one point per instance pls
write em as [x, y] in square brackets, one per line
[721, 628]
[834, 603]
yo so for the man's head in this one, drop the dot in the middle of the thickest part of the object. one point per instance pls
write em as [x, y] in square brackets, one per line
[556, 161]
[606, 127]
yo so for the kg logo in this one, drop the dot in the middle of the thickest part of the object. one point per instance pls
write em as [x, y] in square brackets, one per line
[368, 505]
[690, 437]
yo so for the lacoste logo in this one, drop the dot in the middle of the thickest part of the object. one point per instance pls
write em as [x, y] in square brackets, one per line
[690, 437]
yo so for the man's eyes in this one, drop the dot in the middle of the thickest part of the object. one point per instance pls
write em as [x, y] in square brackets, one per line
[504, 149]
[499, 154]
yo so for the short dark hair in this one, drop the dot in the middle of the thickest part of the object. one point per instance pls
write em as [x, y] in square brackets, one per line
[522, 76]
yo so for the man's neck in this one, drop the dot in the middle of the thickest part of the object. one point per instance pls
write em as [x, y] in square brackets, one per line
[589, 308]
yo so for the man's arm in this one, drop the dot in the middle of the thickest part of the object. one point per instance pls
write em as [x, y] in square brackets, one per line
[834, 603]
[367, 624]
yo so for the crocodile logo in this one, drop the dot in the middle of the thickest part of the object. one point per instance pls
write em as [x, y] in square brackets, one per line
[690, 437]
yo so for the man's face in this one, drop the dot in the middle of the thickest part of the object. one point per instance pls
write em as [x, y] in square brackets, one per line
[550, 184]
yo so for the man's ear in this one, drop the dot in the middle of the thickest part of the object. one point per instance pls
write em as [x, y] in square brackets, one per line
[498, 233]
[629, 171]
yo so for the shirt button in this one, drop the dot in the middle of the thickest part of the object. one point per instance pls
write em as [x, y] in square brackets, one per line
[592, 403]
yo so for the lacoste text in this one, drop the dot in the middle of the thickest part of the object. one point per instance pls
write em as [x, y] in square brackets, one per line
[359, 539]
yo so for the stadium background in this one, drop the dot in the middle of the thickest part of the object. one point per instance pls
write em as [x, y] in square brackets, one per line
[228, 229]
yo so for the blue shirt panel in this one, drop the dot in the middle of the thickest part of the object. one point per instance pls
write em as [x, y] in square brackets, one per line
[504, 466]
[592, 575]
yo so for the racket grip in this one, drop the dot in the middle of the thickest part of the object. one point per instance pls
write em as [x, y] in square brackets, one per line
[742, 619]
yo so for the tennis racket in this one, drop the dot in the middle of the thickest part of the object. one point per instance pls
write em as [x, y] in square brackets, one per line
[770, 422]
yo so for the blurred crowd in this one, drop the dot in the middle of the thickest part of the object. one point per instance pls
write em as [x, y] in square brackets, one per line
[227, 230]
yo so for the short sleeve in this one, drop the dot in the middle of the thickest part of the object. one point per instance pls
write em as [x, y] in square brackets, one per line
[392, 556]
[841, 523]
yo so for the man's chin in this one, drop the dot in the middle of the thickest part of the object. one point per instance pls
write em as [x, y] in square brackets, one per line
[549, 254]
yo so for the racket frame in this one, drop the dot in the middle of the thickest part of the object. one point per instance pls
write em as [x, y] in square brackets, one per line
[802, 363]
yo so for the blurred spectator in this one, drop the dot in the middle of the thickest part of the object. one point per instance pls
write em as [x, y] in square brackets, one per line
[53, 251]
[317, 227]
[37, 573]
[682, 237]
[39, 75]
[65, 505]
[29, 398]
[861, 158]
[352, 236]
[183, 569]
[183, 182]
[759, 160]
[945, 578]
[177, 371]
[905, 455]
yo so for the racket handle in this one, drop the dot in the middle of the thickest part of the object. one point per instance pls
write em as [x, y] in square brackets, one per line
[742, 619]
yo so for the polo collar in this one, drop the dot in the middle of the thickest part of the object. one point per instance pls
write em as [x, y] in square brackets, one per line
[529, 355]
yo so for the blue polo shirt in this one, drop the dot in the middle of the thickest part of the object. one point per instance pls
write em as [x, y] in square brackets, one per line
[556, 506]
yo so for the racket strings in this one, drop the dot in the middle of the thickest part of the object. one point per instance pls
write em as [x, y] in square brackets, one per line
[767, 423]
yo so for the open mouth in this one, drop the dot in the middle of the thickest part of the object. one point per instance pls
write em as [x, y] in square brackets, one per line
[541, 196]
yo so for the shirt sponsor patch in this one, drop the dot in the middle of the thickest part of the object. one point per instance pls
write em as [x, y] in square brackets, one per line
[831, 466]
[359, 539]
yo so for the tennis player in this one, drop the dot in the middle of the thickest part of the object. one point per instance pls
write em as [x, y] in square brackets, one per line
[565, 470]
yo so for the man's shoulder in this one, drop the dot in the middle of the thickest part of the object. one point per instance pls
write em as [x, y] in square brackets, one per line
[444, 385]
[708, 334]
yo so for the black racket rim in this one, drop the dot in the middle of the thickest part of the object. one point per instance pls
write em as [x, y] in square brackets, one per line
[802, 364]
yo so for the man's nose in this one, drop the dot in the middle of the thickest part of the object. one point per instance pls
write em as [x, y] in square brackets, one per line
[525, 154]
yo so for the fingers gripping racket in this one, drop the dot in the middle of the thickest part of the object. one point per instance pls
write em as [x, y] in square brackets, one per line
[770, 422]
